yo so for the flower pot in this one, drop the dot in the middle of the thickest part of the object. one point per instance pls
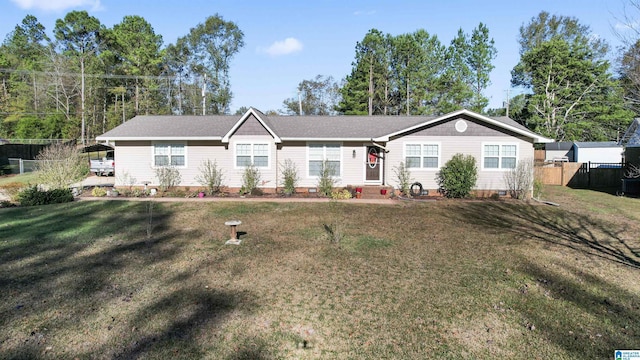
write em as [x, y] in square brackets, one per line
[383, 191]
[358, 195]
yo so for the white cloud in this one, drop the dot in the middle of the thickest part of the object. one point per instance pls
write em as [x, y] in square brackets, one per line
[284, 47]
[57, 5]
[364, 13]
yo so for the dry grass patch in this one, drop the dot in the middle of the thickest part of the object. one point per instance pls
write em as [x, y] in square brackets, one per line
[451, 279]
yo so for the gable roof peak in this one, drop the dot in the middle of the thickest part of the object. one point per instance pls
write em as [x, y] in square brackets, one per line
[262, 119]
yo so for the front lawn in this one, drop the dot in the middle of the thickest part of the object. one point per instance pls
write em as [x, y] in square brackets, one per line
[446, 279]
[27, 178]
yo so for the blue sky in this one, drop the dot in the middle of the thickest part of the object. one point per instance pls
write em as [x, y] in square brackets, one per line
[290, 41]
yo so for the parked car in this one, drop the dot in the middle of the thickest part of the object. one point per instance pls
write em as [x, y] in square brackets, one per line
[104, 166]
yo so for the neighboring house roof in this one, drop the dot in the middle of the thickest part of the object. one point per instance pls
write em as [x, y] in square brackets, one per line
[336, 128]
[561, 145]
[596, 144]
[631, 137]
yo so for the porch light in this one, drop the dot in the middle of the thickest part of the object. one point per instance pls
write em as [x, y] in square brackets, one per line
[353, 154]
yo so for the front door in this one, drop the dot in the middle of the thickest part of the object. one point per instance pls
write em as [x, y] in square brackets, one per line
[373, 164]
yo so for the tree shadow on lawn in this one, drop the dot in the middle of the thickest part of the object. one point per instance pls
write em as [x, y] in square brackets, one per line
[182, 315]
[63, 265]
[579, 312]
[583, 314]
[557, 226]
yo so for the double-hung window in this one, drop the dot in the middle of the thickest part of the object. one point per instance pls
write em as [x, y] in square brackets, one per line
[499, 156]
[256, 154]
[169, 154]
[422, 156]
[318, 153]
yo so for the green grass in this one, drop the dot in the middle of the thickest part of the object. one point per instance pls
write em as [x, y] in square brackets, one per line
[450, 279]
[27, 178]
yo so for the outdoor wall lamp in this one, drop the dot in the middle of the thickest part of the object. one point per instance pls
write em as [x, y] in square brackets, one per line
[354, 153]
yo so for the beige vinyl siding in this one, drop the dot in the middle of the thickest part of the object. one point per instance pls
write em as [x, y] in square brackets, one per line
[197, 153]
[352, 168]
[450, 145]
[134, 159]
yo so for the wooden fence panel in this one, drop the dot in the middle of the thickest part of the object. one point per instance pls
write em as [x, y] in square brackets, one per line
[549, 175]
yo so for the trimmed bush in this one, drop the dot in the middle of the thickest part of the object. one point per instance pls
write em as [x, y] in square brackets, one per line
[458, 176]
[33, 196]
[343, 194]
[98, 192]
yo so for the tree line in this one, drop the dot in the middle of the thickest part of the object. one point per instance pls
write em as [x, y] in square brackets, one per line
[87, 79]
[570, 91]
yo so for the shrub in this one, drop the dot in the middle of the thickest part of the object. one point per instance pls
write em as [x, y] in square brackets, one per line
[403, 176]
[128, 180]
[458, 176]
[60, 165]
[250, 180]
[210, 176]
[326, 180]
[343, 194]
[519, 180]
[32, 196]
[6, 204]
[98, 192]
[290, 177]
[168, 177]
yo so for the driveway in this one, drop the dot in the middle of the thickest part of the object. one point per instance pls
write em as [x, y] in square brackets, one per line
[93, 180]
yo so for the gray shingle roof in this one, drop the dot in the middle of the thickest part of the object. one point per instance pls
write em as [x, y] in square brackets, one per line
[339, 127]
[169, 126]
[285, 127]
[561, 145]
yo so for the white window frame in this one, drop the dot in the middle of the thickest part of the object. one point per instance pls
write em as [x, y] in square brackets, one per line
[169, 144]
[324, 157]
[500, 156]
[422, 144]
[252, 144]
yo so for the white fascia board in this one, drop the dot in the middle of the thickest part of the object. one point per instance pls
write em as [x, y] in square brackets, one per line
[156, 138]
[535, 137]
[543, 140]
[324, 139]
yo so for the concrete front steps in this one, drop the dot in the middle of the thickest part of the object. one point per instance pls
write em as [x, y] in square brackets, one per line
[375, 191]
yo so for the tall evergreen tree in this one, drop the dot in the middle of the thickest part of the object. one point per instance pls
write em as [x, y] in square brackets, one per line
[574, 96]
[482, 52]
[457, 77]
